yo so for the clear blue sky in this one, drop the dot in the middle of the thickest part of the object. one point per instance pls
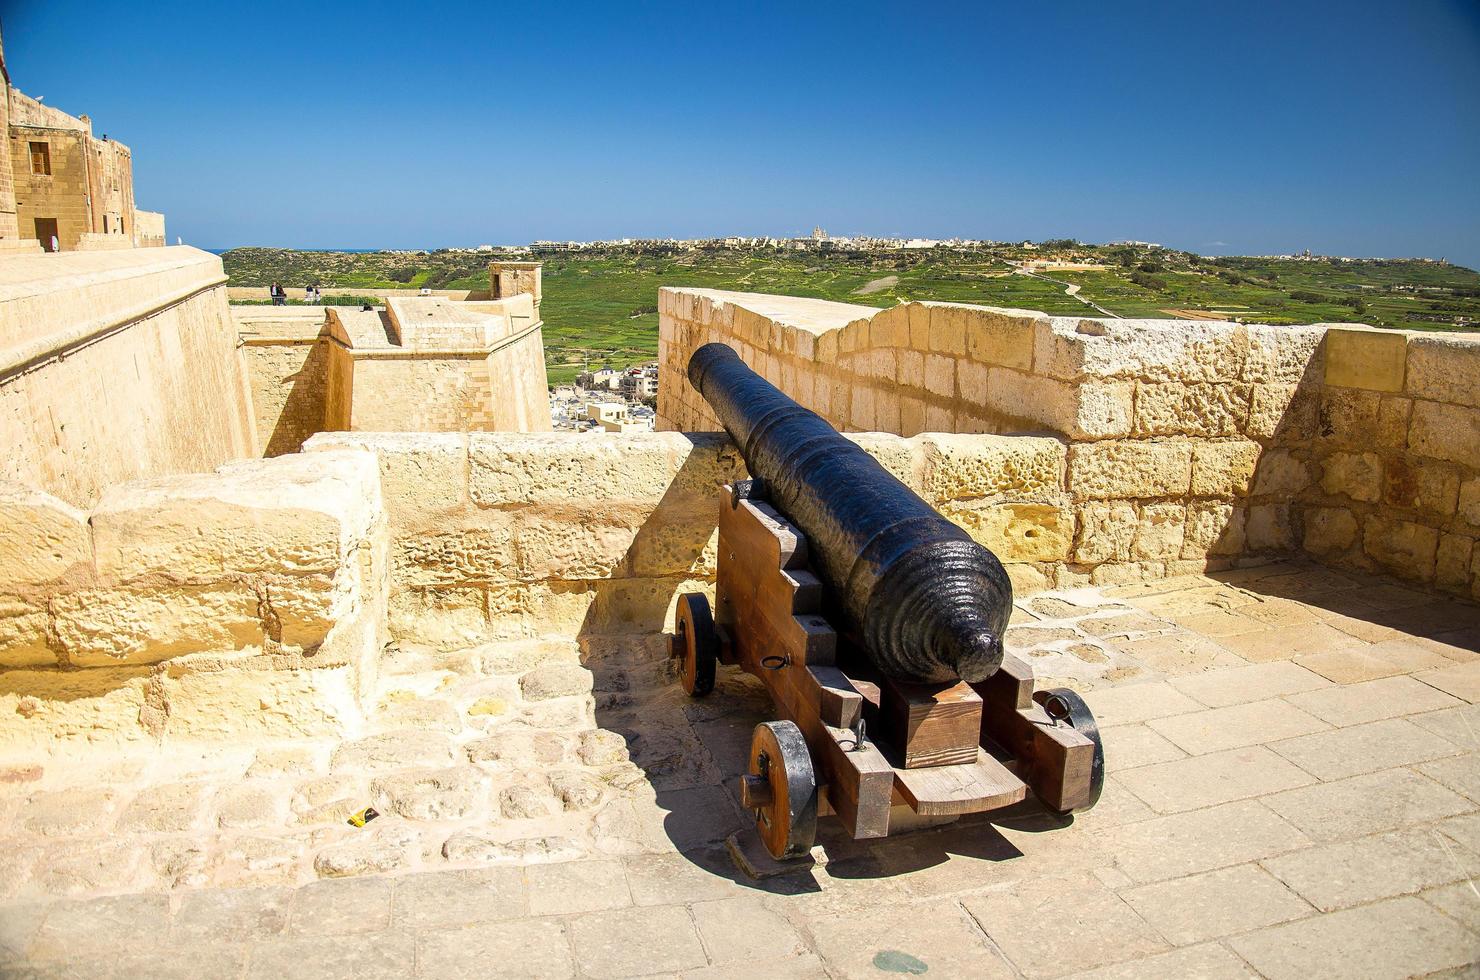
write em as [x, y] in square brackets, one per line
[1344, 127]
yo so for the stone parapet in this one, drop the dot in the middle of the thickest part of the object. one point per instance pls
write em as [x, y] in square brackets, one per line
[1397, 447]
[251, 599]
[1186, 441]
[519, 535]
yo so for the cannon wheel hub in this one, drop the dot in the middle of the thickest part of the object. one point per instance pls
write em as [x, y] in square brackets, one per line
[781, 789]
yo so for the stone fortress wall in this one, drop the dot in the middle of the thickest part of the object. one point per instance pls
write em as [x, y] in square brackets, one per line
[117, 366]
[513, 535]
[1188, 444]
[422, 364]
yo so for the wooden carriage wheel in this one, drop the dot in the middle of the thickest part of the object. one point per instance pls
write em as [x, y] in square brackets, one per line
[698, 643]
[1066, 707]
[781, 788]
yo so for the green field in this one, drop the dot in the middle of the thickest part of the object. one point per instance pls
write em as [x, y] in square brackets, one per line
[600, 306]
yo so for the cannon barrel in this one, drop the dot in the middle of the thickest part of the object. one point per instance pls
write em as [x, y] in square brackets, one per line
[928, 602]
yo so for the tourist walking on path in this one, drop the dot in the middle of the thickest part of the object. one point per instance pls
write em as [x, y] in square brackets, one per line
[278, 296]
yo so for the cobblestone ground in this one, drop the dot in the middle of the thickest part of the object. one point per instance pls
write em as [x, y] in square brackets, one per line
[1294, 791]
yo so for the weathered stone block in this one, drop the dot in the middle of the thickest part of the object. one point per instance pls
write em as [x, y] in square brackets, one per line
[890, 328]
[1114, 470]
[1174, 408]
[1431, 487]
[1016, 532]
[1347, 416]
[1355, 475]
[947, 329]
[1105, 532]
[1282, 412]
[1281, 473]
[940, 375]
[433, 794]
[42, 538]
[422, 474]
[514, 468]
[966, 467]
[1267, 527]
[23, 635]
[1402, 547]
[1444, 369]
[555, 680]
[105, 627]
[1282, 355]
[1081, 411]
[299, 514]
[1002, 337]
[1452, 562]
[1469, 501]
[901, 457]
[1223, 469]
[1449, 432]
[1159, 532]
[1213, 528]
[1370, 359]
[972, 379]
[1329, 530]
[1393, 414]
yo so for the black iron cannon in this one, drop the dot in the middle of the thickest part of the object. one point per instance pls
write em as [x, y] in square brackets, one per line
[876, 626]
[928, 603]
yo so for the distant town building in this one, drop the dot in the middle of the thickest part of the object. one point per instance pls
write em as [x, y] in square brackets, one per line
[640, 382]
[614, 417]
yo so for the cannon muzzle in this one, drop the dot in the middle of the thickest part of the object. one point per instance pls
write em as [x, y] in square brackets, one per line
[928, 603]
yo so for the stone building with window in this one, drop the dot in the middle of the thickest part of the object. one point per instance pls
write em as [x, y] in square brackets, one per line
[62, 187]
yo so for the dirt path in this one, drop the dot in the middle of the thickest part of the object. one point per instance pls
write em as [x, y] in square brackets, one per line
[1070, 289]
[877, 286]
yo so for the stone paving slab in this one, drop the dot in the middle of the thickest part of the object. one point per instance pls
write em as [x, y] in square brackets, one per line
[1288, 814]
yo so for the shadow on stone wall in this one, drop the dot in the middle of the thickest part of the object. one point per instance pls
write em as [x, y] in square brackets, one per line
[303, 412]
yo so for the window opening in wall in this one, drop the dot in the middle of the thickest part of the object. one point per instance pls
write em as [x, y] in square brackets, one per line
[105, 224]
[41, 159]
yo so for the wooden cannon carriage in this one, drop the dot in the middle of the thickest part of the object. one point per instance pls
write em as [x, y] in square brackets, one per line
[852, 741]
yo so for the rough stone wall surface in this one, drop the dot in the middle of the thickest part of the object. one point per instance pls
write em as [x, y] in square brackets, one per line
[251, 599]
[117, 365]
[1189, 444]
[1395, 461]
[507, 535]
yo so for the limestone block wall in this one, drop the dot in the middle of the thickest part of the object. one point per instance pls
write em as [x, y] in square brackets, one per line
[1394, 475]
[117, 365]
[1177, 434]
[503, 534]
[251, 599]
